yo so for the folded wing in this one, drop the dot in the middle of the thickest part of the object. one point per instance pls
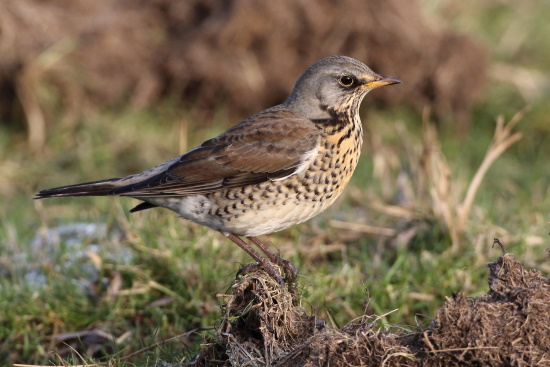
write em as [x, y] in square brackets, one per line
[271, 145]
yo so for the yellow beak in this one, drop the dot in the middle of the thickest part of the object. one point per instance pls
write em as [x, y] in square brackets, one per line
[381, 81]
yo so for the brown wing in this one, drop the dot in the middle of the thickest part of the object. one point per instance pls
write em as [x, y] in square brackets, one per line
[266, 146]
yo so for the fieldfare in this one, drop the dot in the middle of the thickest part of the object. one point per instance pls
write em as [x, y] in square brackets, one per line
[273, 170]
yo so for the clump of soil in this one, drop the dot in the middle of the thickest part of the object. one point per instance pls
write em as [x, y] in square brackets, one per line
[509, 325]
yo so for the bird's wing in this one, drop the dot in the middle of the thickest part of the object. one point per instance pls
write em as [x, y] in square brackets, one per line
[271, 145]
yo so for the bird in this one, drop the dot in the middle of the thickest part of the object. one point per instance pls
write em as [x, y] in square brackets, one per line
[273, 170]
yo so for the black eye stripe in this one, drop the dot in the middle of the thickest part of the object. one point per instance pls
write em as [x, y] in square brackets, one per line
[346, 80]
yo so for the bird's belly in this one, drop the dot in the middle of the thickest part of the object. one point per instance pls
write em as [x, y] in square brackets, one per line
[269, 219]
[255, 210]
[253, 215]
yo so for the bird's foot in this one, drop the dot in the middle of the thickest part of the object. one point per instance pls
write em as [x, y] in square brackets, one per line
[289, 270]
[267, 267]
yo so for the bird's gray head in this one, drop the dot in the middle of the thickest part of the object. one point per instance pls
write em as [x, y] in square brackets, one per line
[334, 83]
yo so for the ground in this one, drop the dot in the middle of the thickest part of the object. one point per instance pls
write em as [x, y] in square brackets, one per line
[509, 325]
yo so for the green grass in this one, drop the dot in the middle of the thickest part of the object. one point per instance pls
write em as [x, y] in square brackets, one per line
[150, 276]
[171, 271]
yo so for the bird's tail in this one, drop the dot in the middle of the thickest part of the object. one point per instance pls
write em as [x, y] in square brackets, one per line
[94, 188]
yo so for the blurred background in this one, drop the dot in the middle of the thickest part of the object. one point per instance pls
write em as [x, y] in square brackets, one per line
[454, 156]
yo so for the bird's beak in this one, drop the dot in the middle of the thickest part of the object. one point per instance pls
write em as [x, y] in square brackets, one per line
[381, 81]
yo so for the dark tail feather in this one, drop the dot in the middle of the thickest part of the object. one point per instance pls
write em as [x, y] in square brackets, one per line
[142, 206]
[95, 188]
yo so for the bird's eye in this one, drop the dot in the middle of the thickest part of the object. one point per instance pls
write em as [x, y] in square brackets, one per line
[346, 80]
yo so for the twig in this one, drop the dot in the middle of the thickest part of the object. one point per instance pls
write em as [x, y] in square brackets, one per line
[497, 241]
[459, 349]
[502, 140]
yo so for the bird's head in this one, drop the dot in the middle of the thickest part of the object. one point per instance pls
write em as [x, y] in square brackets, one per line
[335, 83]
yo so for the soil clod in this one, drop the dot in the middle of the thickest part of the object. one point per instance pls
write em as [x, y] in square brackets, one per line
[507, 326]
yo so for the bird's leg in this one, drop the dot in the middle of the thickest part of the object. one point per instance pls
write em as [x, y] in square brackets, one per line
[262, 262]
[290, 270]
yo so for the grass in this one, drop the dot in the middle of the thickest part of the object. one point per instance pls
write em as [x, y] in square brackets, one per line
[146, 277]
[149, 276]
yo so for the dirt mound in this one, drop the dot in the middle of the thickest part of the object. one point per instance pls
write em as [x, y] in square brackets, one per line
[243, 54]
[507, 326]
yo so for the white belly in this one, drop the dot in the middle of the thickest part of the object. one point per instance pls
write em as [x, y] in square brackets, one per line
[250, 221]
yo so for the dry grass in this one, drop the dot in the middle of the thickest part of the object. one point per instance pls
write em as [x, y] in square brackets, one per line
[449, 206]
[508, 325]
[423, 186]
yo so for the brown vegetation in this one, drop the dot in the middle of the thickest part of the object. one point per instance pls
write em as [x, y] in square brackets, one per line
[74, 54]
[506, 326]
